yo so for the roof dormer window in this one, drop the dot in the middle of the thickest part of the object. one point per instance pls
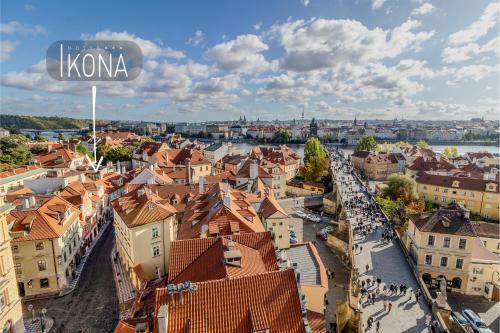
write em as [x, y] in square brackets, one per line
[455, 183]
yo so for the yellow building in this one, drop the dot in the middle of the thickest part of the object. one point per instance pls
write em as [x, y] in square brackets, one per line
[440, 244]
[489, 232]
[378, 166]
[480, 196]
[484, 272]
[46, 244]
[304, 258]
[145, 225]
[11, 313]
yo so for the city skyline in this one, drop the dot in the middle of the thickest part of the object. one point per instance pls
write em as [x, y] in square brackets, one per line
[371, 59]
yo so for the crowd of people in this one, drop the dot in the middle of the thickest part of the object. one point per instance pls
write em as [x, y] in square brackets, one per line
[367, 221]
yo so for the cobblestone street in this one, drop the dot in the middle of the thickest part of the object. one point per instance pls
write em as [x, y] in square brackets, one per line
[387, 262]
[93, 305]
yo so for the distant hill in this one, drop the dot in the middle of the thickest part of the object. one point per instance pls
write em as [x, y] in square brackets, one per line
[41, 123]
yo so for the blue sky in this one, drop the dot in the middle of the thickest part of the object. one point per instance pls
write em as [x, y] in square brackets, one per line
[217, 60]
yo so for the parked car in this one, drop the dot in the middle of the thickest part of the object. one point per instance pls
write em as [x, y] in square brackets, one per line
[322, 235]
[301, 214]
[460, 320]
[292, 234]
[293, 240]
[477, 324]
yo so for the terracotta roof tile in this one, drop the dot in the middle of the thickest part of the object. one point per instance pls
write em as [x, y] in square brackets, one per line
[237, 305]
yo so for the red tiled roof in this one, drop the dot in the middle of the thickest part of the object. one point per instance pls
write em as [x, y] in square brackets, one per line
[141, 207]
[465, 183]
[43, 221]
[202, 259]
[240, 305]
[17, 171]
[236, 216]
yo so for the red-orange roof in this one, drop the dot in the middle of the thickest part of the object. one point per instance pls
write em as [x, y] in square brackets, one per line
[268, 301]
[203, 259]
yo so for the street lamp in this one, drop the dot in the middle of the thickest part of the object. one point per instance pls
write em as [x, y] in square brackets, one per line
[41, 314]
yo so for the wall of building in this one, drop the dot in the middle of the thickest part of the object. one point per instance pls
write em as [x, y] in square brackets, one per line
[315, 297]
[11, 313]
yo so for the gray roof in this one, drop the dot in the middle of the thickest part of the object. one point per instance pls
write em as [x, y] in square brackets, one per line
[306, 264]
[214, 147]
[23, 175]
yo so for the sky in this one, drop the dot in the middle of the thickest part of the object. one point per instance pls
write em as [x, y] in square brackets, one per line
[219, 60]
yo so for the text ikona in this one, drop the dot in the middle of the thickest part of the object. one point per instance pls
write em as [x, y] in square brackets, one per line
[94, 60]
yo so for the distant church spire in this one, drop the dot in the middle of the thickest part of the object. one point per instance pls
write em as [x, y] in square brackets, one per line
[355, 120]
[302, 113]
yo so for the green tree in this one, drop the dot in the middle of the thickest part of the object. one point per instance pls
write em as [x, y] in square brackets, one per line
[60, 137]
[14, 150]
[367, 142]
[14, 130]
[82, 149]
[38, 149]
[422, 144]
[282, 135]
[401, 187]
[39, 138]
[114, 154]
[313, 148]
[450, 152]
[315, 169]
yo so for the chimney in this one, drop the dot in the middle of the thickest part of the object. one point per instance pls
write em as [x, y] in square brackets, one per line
[163, 319]
[118, 166]
[26, 203]
[201, 184]
[188, 170]
[249, 185]
[227, 200]
[140, 192]
[253, 170]
[32, 201]
[123, 170]
[81, 177]
[151, 167]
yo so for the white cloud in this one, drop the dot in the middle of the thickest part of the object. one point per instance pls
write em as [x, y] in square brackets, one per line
[15, 27]
[257, 26]
[424, 9]
[472, 73]
[6, 48]
[29, 7]
[305, 2]
[197, 39]
[376, 4]
[321, 43]
[479, 28]
[149, 49]
[469, 51]
[243, 54]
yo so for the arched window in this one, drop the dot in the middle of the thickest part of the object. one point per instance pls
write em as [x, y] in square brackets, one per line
[456, 283]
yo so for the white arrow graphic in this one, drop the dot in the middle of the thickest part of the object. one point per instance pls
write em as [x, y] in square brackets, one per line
[93, 163]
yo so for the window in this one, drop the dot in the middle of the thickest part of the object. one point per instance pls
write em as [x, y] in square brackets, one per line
[444, 261]
[3, 299]
[428, 259]
[15, 249]
[44, 283]
[462, 244]
[39, 246]
[477, 271]
[155, 233]
[460, 264]
[42, 265]
[444, 200]
[156, 250]
[430, 241]
[18, 268]
[446, 242]
[445, 190]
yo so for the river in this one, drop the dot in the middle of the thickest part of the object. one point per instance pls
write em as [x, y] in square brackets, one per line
[246, 147]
